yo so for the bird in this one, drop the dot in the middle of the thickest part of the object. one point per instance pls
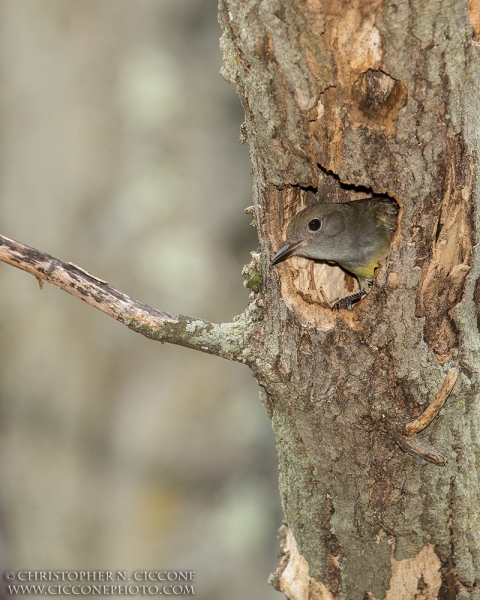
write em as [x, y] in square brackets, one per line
[354, 235]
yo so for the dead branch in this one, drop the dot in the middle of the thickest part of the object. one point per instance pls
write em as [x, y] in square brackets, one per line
[228, 340]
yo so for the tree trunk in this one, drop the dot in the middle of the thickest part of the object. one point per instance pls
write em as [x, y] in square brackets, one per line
[345, 100]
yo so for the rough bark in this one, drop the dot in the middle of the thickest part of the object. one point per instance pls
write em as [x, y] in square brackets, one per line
[342, 100]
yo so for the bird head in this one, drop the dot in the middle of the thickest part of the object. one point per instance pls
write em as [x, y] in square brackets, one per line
[313, 233]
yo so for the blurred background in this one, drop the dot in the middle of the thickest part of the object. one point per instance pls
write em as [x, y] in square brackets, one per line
[119, 152]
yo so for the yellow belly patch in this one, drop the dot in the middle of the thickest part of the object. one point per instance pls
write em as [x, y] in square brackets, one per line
[368, 271]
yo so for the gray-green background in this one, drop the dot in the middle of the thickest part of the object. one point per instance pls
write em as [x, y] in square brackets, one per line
[119, 152]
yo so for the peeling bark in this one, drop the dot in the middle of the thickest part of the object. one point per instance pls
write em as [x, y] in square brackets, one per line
[449, 253]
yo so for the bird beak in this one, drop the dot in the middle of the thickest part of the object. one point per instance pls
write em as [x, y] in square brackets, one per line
[287, 251]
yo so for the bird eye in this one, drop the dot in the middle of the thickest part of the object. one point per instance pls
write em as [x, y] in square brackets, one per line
[314, 225]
